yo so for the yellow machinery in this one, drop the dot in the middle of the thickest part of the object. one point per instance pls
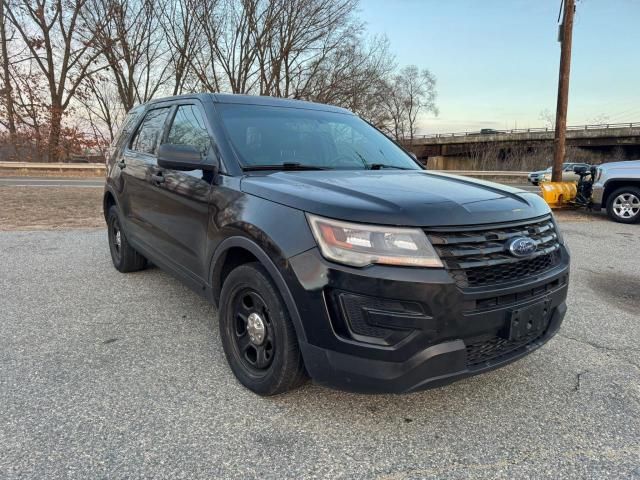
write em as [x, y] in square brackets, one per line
[558, 194]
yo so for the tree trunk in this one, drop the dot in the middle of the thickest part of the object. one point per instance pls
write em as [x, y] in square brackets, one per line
[54, 151]
[7, 91]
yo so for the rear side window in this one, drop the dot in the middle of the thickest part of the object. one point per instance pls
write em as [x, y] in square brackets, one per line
[125, 129]
[148, 135]
[189, 128]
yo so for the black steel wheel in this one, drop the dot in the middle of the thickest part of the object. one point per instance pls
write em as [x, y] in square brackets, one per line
[123, 255]
[257, 334]
[254, 339]
[115, 240]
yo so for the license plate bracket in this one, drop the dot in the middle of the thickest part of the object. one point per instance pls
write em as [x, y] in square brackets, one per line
[526, 320]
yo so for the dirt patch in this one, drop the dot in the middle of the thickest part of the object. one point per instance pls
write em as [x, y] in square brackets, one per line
[619, 290]
[33, 208]
[579, 215]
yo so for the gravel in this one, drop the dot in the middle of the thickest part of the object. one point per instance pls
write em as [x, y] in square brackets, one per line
[104, 375]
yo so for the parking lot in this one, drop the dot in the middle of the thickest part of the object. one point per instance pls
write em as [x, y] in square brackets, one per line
[123, 376]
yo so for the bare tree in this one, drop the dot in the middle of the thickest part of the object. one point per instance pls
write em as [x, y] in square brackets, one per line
[419, 92]
[410, 93]
[548, 119]
[63, 49]
[76, 66]
[353, 76]
[102, 107]
[6, 91]
[271, 47]
[203, 63]
[133, 45]
[302, 34]
[228, 62]
[182, 32]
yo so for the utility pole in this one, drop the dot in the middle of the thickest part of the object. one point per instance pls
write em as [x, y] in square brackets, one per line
[559, 141]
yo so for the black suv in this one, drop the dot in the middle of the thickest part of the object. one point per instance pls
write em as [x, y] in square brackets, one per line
[328, 249]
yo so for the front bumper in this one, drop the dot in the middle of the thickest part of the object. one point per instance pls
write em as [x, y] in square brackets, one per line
[437, 334]
[597, 193]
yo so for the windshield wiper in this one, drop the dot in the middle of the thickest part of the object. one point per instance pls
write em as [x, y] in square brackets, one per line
[282, 166]
[380, 166]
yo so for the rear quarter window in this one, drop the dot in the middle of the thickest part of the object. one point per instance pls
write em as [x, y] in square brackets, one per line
[147, 137]
[124, 131]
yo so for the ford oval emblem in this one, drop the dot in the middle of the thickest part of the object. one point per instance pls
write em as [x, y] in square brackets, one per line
[521, 246]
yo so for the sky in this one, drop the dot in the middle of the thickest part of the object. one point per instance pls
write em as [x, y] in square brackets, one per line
[496, 61]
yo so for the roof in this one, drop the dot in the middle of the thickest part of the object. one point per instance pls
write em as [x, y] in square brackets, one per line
[275, 102]
[256, 100]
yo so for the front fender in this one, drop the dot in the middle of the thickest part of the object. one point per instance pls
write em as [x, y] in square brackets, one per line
[269, 262]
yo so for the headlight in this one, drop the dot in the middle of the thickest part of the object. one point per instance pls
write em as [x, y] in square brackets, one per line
[557, 228]
[598, 174]
[361, 245]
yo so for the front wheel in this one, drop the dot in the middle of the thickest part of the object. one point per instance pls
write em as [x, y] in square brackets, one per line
[257, 335]
[624, 205]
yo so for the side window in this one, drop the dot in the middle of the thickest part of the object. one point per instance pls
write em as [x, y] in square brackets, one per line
[189, 128]
[146, 138]
[124, 131]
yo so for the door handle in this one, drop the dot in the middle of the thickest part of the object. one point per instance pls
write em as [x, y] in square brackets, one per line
[157, 177]
[122, 164]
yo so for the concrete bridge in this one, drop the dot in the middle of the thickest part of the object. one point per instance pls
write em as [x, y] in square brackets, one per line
[606, 138]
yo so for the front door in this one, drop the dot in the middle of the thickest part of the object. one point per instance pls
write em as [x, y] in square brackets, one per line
[181, 198]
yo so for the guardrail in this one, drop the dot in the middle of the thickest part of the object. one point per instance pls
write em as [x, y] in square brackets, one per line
[484, 173]
[601, 126]
[51, 166]
[98, 166]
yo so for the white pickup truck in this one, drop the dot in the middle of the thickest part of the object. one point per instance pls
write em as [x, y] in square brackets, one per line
[616, 187]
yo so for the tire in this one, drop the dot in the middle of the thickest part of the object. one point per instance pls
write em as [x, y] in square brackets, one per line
[623, 205]
[257, 334]
[123, 256]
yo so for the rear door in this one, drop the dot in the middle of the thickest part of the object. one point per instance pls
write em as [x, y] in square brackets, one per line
[181, 198]
[139, 158]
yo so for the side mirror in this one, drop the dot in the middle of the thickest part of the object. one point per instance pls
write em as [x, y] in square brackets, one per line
[183, 157]
[580, 169]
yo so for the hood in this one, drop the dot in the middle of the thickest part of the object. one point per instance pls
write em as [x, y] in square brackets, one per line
[631, 164]
[396, 197]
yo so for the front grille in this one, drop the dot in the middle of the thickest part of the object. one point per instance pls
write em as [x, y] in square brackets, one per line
[511, 298]
[494, 348]
[479, 256]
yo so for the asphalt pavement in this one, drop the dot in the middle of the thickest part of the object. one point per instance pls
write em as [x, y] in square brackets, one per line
[109, 375]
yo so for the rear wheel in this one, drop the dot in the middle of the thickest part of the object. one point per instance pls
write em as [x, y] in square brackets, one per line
[123, 256]
[257, 335]
[624, 205]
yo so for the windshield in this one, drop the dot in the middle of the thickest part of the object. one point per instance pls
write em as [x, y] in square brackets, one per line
[280, 136]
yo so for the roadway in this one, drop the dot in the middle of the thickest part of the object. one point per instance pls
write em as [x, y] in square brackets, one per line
[98, 182]
[105, 375]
